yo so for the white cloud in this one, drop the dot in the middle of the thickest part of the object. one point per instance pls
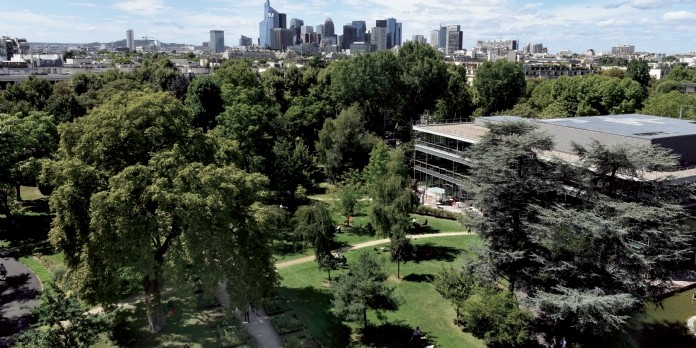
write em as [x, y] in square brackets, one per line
[614, 23]
[145, 7]
[679, 16]
[653, 4]
[83, 4]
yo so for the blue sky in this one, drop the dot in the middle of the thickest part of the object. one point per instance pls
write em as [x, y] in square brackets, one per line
[651, 25]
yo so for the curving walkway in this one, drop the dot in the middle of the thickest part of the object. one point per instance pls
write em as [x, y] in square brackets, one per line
[285, 264]
[19, 293]
[260, 326]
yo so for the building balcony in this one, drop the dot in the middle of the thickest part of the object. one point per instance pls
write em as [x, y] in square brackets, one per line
[440, 173]
[441, 151]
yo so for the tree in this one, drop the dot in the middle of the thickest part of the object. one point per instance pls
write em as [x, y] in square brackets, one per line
[392, 198]
[454, 286]
[510, 182]
[139, 198]
[400, 249]
[363, 288]
[456, 102]
[62, 321]
[639, 71]
[65, 108]
[343, 145]
[251, 126]
[33, 91]
[348, 194]
[499, 85]
[293, 167]
[204, 101]
[423, 69]
[24, 141]
[494, 316]
[313, 225]
[669, 105]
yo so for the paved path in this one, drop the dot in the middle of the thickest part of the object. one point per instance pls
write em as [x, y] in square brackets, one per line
[21, 289]
[285, 264]
[260, 326]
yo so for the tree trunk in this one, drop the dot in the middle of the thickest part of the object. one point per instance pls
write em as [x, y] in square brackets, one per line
[398, 269]
[18, 191]
[153, 303]
[329, 270]
[365, 318]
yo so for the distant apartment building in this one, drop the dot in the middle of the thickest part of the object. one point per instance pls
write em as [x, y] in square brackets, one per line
[245, 41]
[623, 50]
[455, 37]
[11, 47]
[496, 47]
[281, 38]
[217, 41]
[534, 48]
[361, 47]
[130, 42]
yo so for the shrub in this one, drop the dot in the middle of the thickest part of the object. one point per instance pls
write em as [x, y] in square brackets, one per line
[439, 213]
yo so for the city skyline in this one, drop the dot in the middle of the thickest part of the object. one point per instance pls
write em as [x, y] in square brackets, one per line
[649, 25]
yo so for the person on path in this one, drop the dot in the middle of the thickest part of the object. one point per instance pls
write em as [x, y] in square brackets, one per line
[416, 335]
[3, 271]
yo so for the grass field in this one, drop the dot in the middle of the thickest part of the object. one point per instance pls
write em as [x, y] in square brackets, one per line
[309, 294]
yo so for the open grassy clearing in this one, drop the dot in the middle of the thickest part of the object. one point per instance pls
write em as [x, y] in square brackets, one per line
[309, 295]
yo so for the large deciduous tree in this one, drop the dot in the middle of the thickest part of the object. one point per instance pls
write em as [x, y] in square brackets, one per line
[423, 73]
[140, 198]
[314, 226]
[499, 85]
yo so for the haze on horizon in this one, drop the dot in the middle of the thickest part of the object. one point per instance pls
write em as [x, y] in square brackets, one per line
[661, 26]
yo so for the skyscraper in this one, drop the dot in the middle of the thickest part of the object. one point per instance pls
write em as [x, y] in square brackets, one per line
[245, 41]
[435, 38]
[349, 34]
[328, 27]
[379, 38]
[272, 19]
[217, 41]
[454, 39]
[130, 43]
[393, 33]
[295, 25]
[360, 28]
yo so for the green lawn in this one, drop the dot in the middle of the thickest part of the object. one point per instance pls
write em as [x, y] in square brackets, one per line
[307, 289]
[30, 193]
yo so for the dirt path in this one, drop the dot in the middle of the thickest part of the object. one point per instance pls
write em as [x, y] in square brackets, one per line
[285, 264]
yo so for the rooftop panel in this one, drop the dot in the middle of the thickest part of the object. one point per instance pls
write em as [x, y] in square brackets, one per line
[631, 125]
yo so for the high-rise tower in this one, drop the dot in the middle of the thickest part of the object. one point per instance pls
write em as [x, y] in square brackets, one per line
[272, 19]
[217, 41]
[130, 43]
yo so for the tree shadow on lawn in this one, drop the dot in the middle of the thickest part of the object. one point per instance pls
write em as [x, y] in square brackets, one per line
[431, 252]
[419, 278]
[189, 325]
[25, 233]
[393, 334]
[313, 307]
[665, 334]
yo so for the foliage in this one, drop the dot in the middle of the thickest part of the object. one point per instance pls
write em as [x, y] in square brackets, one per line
[494, 316]
[457, 101]
[33, 91]
[138, 198]
[400, 249]
[669, 104]
[62, 321]
[342, 145]
[313, 225]
[499, 85]
[363, 288]
[348, 195]
[423, 69]
[454, 286]
[510, 182]
[24, 140]
[204, 101]
[391, 195]
[639, 71]
[293, 167]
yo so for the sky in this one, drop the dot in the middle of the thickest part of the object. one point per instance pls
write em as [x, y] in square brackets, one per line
[661, 26]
